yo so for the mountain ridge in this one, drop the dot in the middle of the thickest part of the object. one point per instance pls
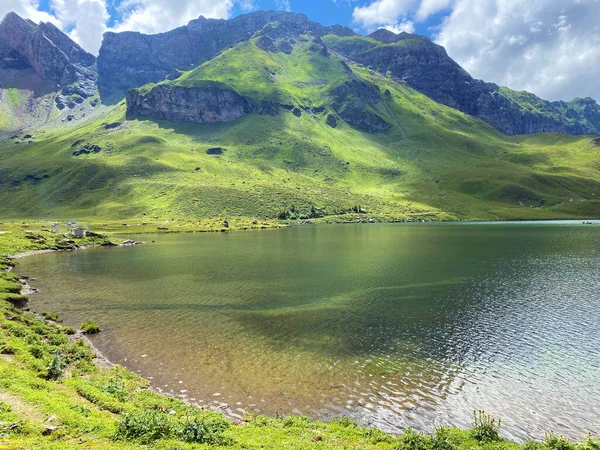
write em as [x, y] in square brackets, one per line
[128, 60]
[281, 125]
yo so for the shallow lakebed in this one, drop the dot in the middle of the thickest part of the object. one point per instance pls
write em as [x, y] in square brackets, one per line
[395, 325]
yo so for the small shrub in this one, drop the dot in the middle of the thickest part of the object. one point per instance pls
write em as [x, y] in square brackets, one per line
[81, 409]
[442, 439]
[533, 445]
[90, 327]
[204, 430]
[51, 316]
[295, 421]
[32, 339]
[116, 387]
[7, 348]
[68, 330]
[412, 439]
[16, 329]
[58, 339]
[375, 436]
[37, 351]
[144, 427]
[589, 444]
[95, 395]
[485, 427]
[554, 442]
[56, 368]
[344, 422]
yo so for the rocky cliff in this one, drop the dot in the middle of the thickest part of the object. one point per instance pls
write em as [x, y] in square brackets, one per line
[426, 67]
[211, 103]
[130, 59]
[47, 52]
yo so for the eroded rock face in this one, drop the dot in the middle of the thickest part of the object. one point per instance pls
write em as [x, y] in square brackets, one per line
[130, 59]
[50, 53]
[204, 105]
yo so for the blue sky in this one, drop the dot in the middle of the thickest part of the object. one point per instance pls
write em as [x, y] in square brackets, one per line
[326, 12]
[548, 47]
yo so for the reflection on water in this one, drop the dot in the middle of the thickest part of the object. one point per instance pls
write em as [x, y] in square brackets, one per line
[395, 325]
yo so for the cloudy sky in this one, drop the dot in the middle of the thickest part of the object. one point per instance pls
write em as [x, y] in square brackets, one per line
[549, 47]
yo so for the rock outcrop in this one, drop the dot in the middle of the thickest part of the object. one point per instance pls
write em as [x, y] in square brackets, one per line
[46, 51]
[212, 103]
[130, 59]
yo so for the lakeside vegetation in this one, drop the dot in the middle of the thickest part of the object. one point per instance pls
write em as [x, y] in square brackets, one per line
[54, 396]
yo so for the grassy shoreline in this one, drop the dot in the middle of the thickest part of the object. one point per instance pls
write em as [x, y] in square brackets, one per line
[54, 395]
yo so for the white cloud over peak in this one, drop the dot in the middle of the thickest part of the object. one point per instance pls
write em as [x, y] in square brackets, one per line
[404, 26]
[28, 9]
[156, 16]
[549, 47]
[382, 12]
[86, 20]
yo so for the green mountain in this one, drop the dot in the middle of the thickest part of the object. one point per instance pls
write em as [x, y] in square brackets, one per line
[284, 122]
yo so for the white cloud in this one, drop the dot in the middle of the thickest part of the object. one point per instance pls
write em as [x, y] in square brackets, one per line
[283, 5]
[86, 18]
[429, 7]
[549, 47]
[28, 9]
[382, 12]
[405, 26]
[155, 16]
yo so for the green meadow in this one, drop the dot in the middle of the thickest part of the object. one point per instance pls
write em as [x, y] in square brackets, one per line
[433, 162]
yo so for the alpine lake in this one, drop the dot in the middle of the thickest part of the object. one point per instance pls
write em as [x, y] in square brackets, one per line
[393, 325]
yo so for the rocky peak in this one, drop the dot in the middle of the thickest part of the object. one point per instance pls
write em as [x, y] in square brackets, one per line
[128, 59]
[387, 37]
[51, 54]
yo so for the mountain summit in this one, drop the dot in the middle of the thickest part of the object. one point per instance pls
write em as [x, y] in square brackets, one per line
[45, 53]
[129, 60]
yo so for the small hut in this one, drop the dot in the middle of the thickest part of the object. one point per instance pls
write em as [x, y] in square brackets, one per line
[78, 232]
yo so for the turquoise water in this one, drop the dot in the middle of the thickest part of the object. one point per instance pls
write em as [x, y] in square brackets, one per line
[394, 325]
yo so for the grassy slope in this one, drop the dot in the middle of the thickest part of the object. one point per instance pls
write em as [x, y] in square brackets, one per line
[434, 162]
[96, 408]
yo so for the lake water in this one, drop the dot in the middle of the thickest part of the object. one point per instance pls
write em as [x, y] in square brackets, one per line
[394, 325]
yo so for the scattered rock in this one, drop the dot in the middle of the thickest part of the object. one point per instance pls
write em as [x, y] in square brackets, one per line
[49, 429]
[297, 112]
[215, 151]
[88, 149]
[331, 121]
[109, 126]
[94, 234]
[130, 242]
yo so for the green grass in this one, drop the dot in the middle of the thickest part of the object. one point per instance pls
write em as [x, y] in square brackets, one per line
[433, 163]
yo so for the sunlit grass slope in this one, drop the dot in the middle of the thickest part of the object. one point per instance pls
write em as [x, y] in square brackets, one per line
[432, 163]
